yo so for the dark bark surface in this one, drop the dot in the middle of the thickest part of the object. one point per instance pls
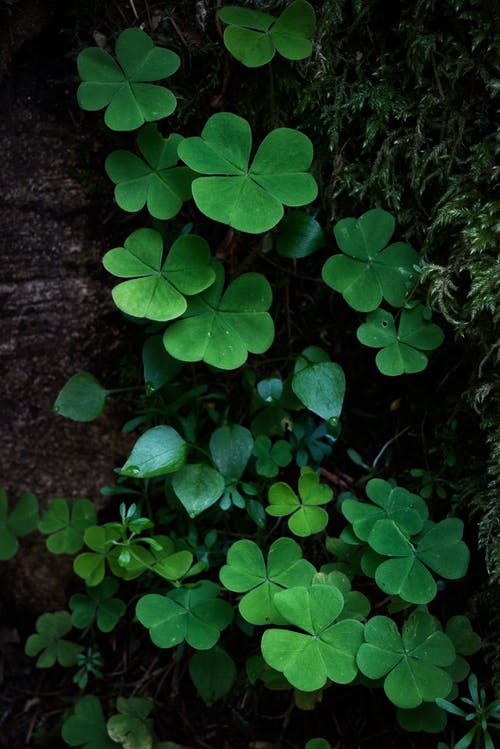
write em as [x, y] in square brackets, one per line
[56, 310]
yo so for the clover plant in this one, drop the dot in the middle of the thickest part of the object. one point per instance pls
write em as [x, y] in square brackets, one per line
[403, 350]
[222, 328]
[253, 37]
[305, 511]
[48, 643]
[366, 273]
[158, 285]
[19, 522]
[327, 650]
[65, 523]
[248, 196]
[154, 181]
[202, 450]
[195, 615]
[247, 572]
[125, 87]
[412, 663]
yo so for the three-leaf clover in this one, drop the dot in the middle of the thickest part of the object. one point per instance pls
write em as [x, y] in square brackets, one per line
[98, 603]
[154, 181]
[406, 510]
[22, 520]
[125, 89]
[439, 547]
[327, 649]
[65, 522]
[131, 726]
[157, 287]
[248, 197]
[412, 663]
[402, 351]
[85, 727]
[367, 273]
[253, 37]
[247, 572]
[271, 457]
[220, 329]
[48, 644]
[306, 516]
[195, 615]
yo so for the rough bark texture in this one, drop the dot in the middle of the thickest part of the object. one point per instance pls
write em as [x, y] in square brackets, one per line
[56, 310]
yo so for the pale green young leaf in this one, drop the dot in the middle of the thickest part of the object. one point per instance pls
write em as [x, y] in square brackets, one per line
[158, 285]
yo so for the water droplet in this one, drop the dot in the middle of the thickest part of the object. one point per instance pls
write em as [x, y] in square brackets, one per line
[132, 470]
[56, 409]
[333, 421]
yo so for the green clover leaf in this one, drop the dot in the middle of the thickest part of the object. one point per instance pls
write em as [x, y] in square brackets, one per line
[318, 744]
[82, 398]
[157, 288]
[306, 517]
[319, 384]
[97, 604]
[367, 273]
[48, 644]
[220, 329]
[195, 615]
[253, 37]
[327, 651]
[154, 181]
[22, 520]
[247, 572]
[466, 642]
[66, 520]
[407, 511]
[248, 197]
[230, 448]
[439, 547]
[402, 351]
[91, 565]
[131, 727]
[412, 663]
[271, 457]
[158, 451]
[85, 727]
[125, 89]
[427, 717]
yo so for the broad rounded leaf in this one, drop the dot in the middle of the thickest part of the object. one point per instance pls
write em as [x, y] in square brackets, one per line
[159, 367]
[65, 523]
[159, 450]
[213, 673]
[82, 398]
[230, 448]
[299, 235]
[321, 388]
[198, 487]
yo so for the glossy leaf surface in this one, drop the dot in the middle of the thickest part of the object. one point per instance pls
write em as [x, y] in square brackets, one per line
[306, 514]
[159, 450]
[82, 398]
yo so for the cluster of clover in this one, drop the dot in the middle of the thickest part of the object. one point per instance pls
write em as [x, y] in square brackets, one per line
[317, 630]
